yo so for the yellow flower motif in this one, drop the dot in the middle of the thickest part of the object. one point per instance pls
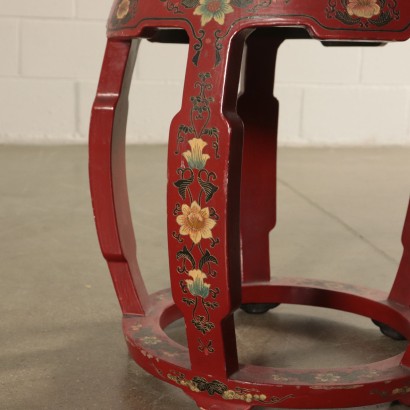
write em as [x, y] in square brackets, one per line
[213, 9]
[123, 9]
[195, 222]
[197, 286]
[228, 395]
[195, 157]
[363, 8]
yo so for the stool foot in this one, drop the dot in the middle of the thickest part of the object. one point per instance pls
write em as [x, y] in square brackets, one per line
[388, 331]
[258, 308]
[404, 402]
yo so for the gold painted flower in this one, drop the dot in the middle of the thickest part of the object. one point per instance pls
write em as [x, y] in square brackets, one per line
[228, 395]
[196, 285]
[195, 222]
[213, 9]
[363, 8]
[195, 158]
[123, 9]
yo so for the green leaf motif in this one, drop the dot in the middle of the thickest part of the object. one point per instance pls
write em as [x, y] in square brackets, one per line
[189, 4]
[241, 3]
[185, 254]
[346, 19]
[185, 129]
[212, 132]
[383, 19]
[209, 189]
[212, 387]
[203, 326]
[189, 302]
[183, 185]
[207, 258]
[211, 305]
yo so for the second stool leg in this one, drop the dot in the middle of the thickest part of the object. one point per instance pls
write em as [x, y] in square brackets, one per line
[259, 110]
[204, 167]
[400, 292]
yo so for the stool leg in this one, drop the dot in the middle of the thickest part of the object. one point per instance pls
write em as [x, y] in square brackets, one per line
[259, 111]
[400, 292]
[204, 168]
[108, 179]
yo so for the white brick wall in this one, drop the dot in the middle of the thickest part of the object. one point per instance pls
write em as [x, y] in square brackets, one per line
[51, 52]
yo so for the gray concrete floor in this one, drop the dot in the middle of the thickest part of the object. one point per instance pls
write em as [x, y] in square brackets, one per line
[340, 214]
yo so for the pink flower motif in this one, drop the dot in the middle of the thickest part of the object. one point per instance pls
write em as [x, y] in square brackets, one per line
[363, 8]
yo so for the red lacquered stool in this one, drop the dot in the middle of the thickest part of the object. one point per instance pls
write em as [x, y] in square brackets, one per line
[215, 139]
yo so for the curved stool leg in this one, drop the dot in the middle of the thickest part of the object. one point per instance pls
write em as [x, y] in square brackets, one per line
[108, 178]
[259, 111]
[205, 151]
[401, 286]
[400, 292]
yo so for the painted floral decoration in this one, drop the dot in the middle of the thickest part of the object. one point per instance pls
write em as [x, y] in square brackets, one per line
[363, 8]
[195, 222]
[364, 13]
[213, 9]
[123, 9]
[197, 286]
[195, 158]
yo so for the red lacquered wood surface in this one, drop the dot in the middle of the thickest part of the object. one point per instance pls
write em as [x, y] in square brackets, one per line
[259, 110]
[400, 292]
[107, 176]
[221, 200]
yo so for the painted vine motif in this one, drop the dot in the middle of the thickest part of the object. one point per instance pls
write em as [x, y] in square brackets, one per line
[215, 387]
[217, 10]
[196, 186]
[206, 10]
[365, 13]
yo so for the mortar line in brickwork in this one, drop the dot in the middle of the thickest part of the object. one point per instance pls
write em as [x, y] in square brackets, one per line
[345, 86]
[75, 9]
[19, 50]
[407, 113]
[339, 221]
[302, 114]
[361, 59]
[77, 113]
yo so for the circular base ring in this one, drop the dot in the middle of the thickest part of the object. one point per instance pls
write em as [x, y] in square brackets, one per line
[384, 381]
